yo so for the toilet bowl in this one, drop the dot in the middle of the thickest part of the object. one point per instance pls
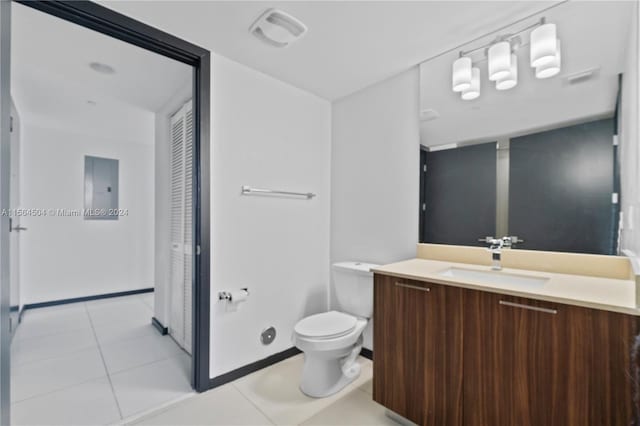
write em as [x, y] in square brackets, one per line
[331, 341]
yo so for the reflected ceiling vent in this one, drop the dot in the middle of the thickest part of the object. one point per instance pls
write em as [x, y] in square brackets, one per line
[443, 147]
[277, 28]
[579, 77]
[102, 68]
[429, 114]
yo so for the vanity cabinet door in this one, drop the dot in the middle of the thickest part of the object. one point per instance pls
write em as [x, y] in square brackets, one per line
[533, 363]
[418, 350]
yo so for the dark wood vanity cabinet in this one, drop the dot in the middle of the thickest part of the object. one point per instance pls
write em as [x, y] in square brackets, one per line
[529, 362]
[418, 350]
[452, 356]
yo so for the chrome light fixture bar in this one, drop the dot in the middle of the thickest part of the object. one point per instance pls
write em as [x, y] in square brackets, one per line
[509, 37]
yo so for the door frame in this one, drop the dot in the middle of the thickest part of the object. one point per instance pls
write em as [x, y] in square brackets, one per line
[113, 24]
[423, 199]
[5, 143]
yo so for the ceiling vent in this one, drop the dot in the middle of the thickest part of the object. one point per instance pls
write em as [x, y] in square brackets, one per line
[579, 77]
[429, 114]
[277, 28]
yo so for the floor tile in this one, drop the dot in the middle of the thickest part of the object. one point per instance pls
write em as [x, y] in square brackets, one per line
[142, 388]
[40, 377]
[90, 403]
[148, 299]
[126, 354]
[221, 406]
[274, 390]
[131, 309]
[52, 346]
[53, 320]
[123, 330]
[355, 408]
[367, 387]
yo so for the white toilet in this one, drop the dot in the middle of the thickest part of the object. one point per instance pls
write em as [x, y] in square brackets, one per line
[332, 341]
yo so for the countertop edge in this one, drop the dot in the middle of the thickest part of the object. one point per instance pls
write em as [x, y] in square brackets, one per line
[530, 295]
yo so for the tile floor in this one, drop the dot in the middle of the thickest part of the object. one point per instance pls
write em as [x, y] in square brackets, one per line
[271, 397]
[93, 363]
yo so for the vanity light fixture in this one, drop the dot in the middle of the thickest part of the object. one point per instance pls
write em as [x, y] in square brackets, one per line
[545, 58]
[462, 74]
[474, 89]
[499, 60]
[510, 80]
[551, 67]
[544, 44]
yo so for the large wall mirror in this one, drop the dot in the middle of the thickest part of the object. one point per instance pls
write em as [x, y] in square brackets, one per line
[532, 132]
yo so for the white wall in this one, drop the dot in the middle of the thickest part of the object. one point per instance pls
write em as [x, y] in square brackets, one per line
[162, 167]
[266, 134]
[629, 144]
[66, 257]
[375, 160]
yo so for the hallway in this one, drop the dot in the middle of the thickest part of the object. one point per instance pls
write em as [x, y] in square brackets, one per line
[94, 362]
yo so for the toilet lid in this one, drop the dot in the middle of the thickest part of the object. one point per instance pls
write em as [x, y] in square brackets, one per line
[327, 324]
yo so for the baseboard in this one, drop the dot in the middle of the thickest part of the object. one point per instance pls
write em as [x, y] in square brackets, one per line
[367, 353]
[159, 326]
[86, 298]
[250, 368]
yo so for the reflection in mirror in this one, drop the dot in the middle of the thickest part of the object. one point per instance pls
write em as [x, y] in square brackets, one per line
[531, 132]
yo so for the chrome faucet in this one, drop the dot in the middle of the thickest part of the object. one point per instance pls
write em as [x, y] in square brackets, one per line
[495, 247]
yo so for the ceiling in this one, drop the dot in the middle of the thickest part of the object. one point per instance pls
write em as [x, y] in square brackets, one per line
[53, 84]
[592, 34]
[350, 44]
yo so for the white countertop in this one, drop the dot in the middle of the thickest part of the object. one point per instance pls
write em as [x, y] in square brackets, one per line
[592, 292]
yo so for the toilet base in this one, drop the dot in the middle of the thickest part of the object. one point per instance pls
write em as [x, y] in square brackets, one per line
[322, 374]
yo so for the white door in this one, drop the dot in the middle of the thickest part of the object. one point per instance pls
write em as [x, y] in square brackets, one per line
[180, 322]
[16, 228]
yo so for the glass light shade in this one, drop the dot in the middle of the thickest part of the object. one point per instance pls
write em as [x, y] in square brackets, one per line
[544, 45]
[461, 74]
[551, 68]
[474, 89]
[510, 80]
[499, 60]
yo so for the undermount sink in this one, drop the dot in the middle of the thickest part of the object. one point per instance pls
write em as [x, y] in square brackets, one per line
[493, 277]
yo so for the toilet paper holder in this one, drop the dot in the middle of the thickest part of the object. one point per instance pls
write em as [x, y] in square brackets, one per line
[227, 295]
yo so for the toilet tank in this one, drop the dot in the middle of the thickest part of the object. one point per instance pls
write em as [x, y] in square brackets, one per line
[353, 286]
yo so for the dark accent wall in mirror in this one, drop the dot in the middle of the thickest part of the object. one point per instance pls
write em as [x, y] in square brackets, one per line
[458, 210]
[560, 189]
[552, 158]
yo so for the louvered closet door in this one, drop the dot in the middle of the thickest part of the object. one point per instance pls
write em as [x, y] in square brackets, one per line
[188, 226]
[181, 226]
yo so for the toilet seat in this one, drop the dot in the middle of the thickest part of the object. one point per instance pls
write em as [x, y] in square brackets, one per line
[327, 325]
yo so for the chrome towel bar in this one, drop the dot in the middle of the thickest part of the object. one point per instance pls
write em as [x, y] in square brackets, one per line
[247, 190]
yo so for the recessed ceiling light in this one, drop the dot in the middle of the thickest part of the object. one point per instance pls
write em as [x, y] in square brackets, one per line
[102, 68]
